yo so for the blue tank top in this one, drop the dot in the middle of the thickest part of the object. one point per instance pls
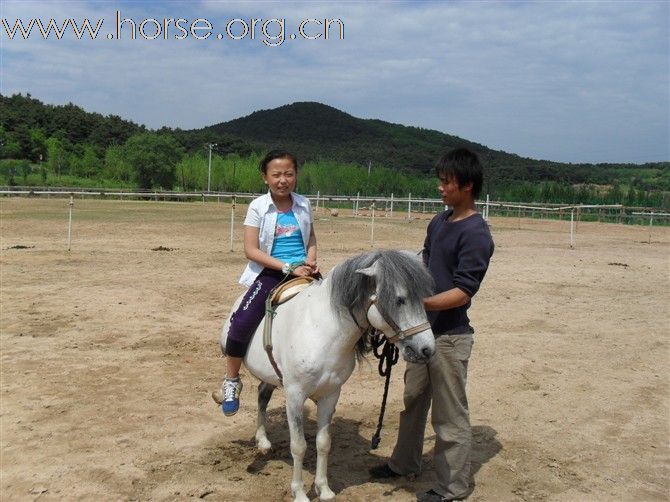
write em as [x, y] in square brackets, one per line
[288, 245]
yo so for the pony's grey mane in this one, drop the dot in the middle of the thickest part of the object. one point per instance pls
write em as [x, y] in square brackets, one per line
[350, 291]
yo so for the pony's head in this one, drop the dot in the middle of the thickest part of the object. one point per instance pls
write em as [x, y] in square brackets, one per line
[387, 289]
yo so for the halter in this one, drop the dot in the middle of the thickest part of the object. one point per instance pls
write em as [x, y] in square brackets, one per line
[399, 334]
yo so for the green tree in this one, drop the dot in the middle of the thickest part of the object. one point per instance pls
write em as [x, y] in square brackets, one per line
[26, 169]
[38, 145]
[116, 167]
[9, 147]
[615, 195]
[55, 155]
[88, 165]
[22, 138]
[192, 172]
[153, 158]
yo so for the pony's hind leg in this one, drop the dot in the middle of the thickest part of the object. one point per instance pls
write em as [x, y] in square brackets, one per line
[295, 403]
[265, 391]
[325, 409]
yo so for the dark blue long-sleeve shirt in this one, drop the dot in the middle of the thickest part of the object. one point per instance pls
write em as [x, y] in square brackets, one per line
[457, 254]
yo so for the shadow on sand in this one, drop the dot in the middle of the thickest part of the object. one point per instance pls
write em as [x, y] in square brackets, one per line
[350, 456]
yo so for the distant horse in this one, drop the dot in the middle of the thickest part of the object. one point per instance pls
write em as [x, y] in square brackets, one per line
[318, 335]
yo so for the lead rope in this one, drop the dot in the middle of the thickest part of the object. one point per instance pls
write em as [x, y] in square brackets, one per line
[388, 356]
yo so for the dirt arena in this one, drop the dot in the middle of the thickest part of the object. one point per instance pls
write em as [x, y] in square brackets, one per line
[109, 353]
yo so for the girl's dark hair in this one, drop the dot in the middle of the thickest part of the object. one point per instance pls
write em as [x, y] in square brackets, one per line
[464, 165]
[277, 154]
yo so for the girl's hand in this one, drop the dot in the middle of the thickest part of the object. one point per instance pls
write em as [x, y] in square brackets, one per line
[303, 271]
[313, 266]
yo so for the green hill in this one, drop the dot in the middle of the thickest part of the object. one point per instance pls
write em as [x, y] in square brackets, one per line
[317, 131]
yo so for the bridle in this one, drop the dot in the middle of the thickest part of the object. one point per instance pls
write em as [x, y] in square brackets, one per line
[399, 334]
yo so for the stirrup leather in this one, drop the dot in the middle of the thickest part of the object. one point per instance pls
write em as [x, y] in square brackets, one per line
[281, 294]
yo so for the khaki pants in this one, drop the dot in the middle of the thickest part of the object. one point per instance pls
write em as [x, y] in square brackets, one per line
[441, 380]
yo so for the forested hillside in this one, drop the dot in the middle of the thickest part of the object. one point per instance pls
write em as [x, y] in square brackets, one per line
[42, 144]
[317, 131]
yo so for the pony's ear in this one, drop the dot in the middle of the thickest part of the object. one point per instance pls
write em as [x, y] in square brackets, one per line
[370, 271]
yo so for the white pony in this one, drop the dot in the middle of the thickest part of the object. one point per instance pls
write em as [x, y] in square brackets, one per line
[317, 335]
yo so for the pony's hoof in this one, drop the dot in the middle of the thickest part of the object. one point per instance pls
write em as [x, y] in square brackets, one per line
[264, 446]
[300, 497]
[217, 395]
[325, 494]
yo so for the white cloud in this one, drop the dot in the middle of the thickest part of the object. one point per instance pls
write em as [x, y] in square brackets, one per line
[574, 81]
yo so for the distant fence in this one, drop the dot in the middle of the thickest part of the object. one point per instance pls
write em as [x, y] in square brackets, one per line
[384, 206]
[407, 208]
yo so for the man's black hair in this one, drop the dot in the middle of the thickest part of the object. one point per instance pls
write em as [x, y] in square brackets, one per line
[464, 165]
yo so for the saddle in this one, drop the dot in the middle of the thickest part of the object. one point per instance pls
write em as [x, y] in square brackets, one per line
[284, 292]
[281, 294]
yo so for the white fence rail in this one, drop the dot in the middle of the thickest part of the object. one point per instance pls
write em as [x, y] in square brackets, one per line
[366, 206]
[383, 205]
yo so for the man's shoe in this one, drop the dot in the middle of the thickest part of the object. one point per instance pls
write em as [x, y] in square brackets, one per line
[432, 496]
[383, 472]
[232, 387]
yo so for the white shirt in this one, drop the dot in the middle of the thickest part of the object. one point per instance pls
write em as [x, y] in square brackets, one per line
[262, 214]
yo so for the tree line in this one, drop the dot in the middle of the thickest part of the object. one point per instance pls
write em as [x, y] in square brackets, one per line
[158, 161]
[66, 146]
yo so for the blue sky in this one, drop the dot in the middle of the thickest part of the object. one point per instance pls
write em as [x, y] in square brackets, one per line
[568, 81]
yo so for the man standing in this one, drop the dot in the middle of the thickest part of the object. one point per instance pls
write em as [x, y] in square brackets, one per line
[457, 251]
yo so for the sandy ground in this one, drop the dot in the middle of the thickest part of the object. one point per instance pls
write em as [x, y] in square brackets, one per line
[109, 353]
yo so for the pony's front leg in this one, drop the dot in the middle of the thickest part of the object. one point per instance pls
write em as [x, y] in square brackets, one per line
[295, 402]
[265, 391]
[325, 409]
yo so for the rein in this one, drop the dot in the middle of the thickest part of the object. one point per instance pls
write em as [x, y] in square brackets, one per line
[388, 356]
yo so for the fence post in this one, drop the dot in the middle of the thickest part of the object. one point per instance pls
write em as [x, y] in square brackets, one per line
[391, 204]
[651, 221]
[372, 226]
[579, 214]
[69, 224]
[572, 224]
[232, 221]
[409, 206]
